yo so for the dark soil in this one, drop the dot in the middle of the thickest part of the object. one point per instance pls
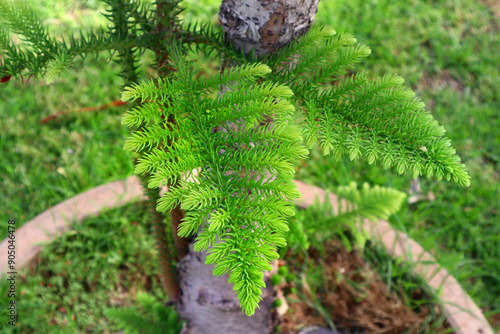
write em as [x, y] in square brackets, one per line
[355, 296]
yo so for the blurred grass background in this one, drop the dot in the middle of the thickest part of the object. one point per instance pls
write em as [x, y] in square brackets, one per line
[447, 51]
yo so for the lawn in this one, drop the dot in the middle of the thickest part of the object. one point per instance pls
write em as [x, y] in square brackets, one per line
[447, 51]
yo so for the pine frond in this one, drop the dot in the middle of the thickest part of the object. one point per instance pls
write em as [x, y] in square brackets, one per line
[316, 36]
[384, 122]
[167, 13]
[379, 119]
[373, 203]
[143, 15]
[99, 40]
[325, 69]
[42, 55]
[247, 73]
[12, 58]
[239, 197]
[329, 60]
[137, 117]
[353, 206]
[120, 13]
[149, 91]
[22, 20]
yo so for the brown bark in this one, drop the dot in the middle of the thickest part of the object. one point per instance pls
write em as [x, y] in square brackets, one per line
[266, 25]
[180, 244]
[165, 258]
[207, 303]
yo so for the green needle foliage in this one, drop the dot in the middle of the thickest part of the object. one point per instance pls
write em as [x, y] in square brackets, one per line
[379, 119]
[41, 55]
[237, 199]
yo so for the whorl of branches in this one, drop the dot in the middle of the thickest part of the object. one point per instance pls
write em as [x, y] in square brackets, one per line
[241, 218]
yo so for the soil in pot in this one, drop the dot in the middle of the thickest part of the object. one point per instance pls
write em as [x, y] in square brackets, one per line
[359, 292]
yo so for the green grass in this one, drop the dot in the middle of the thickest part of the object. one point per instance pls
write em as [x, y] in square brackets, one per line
[45, 164]
[445, 50]
[103, 263]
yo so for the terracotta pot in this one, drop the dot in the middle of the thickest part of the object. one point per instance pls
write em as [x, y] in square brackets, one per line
[463, 314]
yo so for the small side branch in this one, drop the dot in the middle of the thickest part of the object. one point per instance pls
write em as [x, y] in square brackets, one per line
[166, 14]
[181, 244]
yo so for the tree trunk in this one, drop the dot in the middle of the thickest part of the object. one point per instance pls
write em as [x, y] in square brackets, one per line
[266, 25]
[207, 303]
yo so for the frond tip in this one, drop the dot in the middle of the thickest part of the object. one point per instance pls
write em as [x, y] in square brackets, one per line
[56, 67]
